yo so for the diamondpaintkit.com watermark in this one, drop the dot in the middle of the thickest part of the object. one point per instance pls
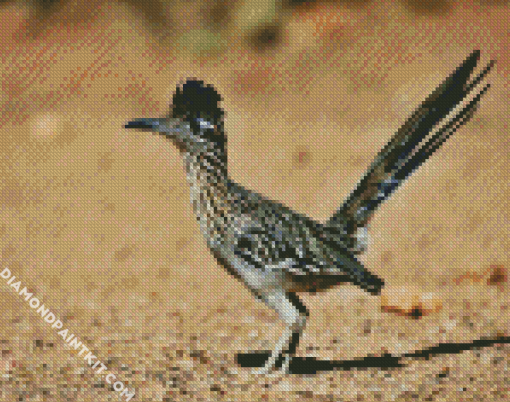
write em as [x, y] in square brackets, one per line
[71, 340]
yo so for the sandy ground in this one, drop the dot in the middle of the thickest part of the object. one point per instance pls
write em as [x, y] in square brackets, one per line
[96, 221]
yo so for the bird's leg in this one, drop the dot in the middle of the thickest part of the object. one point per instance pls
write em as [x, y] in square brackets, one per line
[293, 313]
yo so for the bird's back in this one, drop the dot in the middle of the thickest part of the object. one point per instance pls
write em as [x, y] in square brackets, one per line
[268, 235]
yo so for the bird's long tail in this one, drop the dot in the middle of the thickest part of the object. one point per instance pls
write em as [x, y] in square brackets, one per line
[407, 150]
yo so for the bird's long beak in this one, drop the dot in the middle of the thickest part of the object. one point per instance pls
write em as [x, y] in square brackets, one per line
[158, 125]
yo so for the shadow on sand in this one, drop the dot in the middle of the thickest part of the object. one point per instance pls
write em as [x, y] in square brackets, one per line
[311, 365]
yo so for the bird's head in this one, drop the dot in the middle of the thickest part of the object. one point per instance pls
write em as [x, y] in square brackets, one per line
[195, 122]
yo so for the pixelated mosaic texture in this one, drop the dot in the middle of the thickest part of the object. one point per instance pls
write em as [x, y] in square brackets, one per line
[97, 222]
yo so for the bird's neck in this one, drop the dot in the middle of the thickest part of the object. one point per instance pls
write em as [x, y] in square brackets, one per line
[208, 178]
[207, 166]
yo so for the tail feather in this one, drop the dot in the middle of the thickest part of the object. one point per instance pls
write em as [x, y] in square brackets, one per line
[403, 154]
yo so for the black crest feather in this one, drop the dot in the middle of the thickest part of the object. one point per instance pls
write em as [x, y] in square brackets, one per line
[197, 100]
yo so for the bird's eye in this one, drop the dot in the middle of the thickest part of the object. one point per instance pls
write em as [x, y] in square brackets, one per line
[205, 124]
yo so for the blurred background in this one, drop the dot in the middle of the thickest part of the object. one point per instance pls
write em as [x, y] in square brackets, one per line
[96, 220]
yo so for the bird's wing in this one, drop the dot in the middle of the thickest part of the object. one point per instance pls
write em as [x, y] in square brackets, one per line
[406, 151]
[274, 237]
[277, 238]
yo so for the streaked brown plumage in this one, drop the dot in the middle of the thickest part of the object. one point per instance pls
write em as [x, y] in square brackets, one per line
[275, 251]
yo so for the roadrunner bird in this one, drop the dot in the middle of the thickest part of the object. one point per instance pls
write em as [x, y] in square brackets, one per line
[275, 251]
